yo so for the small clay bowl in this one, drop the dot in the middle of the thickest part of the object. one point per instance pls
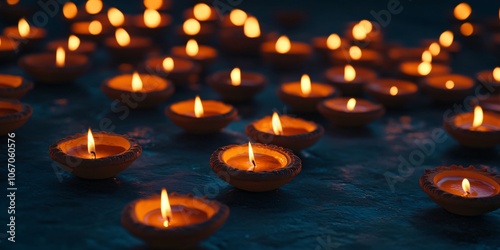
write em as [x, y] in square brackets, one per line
[205, 34]
[14, 87]
[81, 29]
[320, 46]
[85, 47]
[205, 57]
[458, 127]
[255, 181]
[31, 42]
[379, 89]
[297, 56]
[8, 49]
[370, 58]
[432, 180]
[486, 78]
[409, 70]
[182, 237]
[135, 51]
[140, 28]
[42, 67]
[251, 84]
[364, 112]
[217, 116]
[335, 76]
[118, 152]
[435, 87]
[297, 133]
[13, 115]
[403, 54]
[453, 49]
[290, 93]
[184, 73]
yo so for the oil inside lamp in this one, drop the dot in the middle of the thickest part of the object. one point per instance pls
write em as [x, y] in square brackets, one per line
[462, 11]
[202, 11]
[198, 107]
[254, 162]
[393, 91]
[122, 37]
[93, 6]
[251, 28]
[153, 4]
[95, 27]
[349, 73]
[73, 43]
[466, 187]
[238, 17]
[449, 84]
[168, 64]
[192, 48]
[115, 17]
[152, 18]
[191, 27]
[91, 144]
[60, 57]
[446, 38]
[305, 85]
[235, 76]
[283, 45]
[466, 29]
[351, 104]
[23, 28]
[355, 53]
[333, 42]
[70, 10]
[434, 49]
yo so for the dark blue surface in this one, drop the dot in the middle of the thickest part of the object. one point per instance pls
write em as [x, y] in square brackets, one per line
[341, 199]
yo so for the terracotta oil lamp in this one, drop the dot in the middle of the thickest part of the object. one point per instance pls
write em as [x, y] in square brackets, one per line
[324, 46]
[349, 80]
[203, 13]
[202, 54]
[241, 34]
[416, 70]
[173, 221]
[182, 72]
[477, 129]
[8, 48]
[255, 167]
[305, 95]
[399, 54]
[13, 115]
[464, 191]
[100, 155]
[357, 57]
[14, 87]
[284, 54]
[285, 131]
[447, 87]
[197, 117]
[27, 36]
[73, 45]
[148, 90]
[490, 78]
[125, 47]
[54, 68]
[350, 112]
[237, 86]
[392, 93]
[151, 23]
[90, 30]
[194, 29]
[366, 34]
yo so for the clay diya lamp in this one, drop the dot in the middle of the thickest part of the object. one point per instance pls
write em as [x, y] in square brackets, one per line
[237, 86]
[398, 55]
[114, 19]
[305, 95]
[241, 34]
[182, 72]
[8, 49]
[255, 167]
[349, 80]
[472, 34]
[285, 131]
[28, 37]
[356, 57]
[284, 54]
[193, 29]
[204, 13]
[90, 30]
[446, 41]
[197, 117]
[13, 115]
[73, 45]
[365, 34]
[324, 46]
[146, 90]
[448, 87]
[124, 47]
[100, 155]
[202, 54]
[414, 71]
[476, 129]
[464, 191]
[173, 221]
[392, 93]
[14, 87]
[490, 78]
[54, 68]
[350, 112]
[151, 23]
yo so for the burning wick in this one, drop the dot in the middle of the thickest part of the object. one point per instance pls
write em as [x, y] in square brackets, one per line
[91, 144]
[466, 187]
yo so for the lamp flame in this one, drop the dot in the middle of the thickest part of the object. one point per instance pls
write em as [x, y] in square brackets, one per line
[136, 82]
[153, 4]
[359, 32]
[446, 38]
[192, 48]
[449, 84]
[466, 187]
[305, 85]
[462, 11]
[202, 11]
[91, 144]
[251, 28]
[198, 107]
[73, 43]
[191, 27]
[166, 210]
[435, 49]
[93, 6]
[355, 53]
[275, 121]
[351, 104]
[424, 68]
[168, 64]
[122, 37]
[393, 91]
[95, 27]
[60, 57]
[23, 27]
[466, 29]
[366, 25]
[478, 117]
[333, 41]
[251, 157]
[238, 17]
[235, 77]
[427, 56]
[496, 74]
[116, 17]
[69, 10]
[349, 73]
[152, 18]
[282, 45]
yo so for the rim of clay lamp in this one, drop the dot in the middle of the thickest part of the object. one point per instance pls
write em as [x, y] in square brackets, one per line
[361, 118]
[473, 138]
[13, 121]
[456, 203]
[18, 91]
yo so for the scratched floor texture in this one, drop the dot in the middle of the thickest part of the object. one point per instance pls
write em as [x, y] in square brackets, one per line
[340, 200]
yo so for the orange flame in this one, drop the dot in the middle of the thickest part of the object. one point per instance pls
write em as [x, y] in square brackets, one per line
[116, 17]
[191, 27]
[235, 77]
[95, 27]
[435, 49]
[136, 82]
[276, 123]
[393, 91]
[349, 73]
[168, 64]
[251, 28]
[449, 84]
[462, 11]
[424, 68]
[60, 57]
[152, 18]
[446, 38]
[251, 157]
[202, 11]
[333, 42]
[198, 107]
[166, 210]
[496, 74]
[351, 104]
[238, 17]
[282, 45]
[23, 27]
[153, 4]
[466, 29]
[73, 43]
[70, 10]
[355, 53]
[122, 37]
[466, 187]
[91, 144]
[93, 6]
[192, 48]
[478, 117]
[305, 85]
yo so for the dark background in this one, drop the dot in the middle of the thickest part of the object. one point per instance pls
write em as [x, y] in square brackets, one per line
[341, 199]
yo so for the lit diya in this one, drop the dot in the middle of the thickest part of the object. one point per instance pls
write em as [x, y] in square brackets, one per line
[95, 156]
[193, 29]
[305, 95]
[182, 72]
[350, 112]
[90, 30]
[58, 67]
[73, 45]
[284, 54]
[241, 34]
[285, 131]
[365, 34]
[356, 57]
[173, 221]
[446, 41]
[151, 23]
[398, 54]
[416, 70]
[477, 129]
[255, 167]
[237, 86]
[125, 47]
[324, 46]
[12, 86]
[198, 117]
[8, 48]
[393, 93]
[13, 115]
[447, 87]
[490, 78]
[202, 54]
[464, 191]
[203, 13]
[349, 80]
[27, 36]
